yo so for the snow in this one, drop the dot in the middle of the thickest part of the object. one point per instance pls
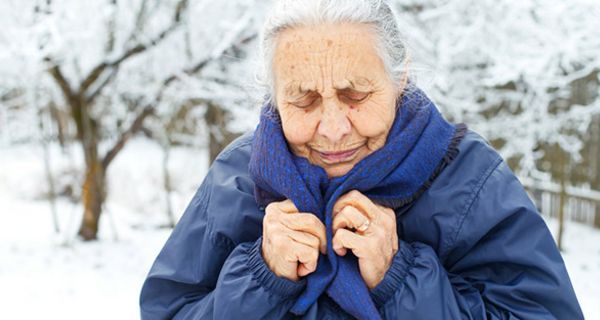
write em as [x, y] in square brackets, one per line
[39, 35]
[473, 56]
[49, 275]
[582, 257]
[44, 278]
[470, 56]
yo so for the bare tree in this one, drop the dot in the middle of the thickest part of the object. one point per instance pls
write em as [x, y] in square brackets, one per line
[80, 98]
[114, 65]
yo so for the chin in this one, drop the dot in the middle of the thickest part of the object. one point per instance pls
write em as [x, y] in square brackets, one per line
[338, 170]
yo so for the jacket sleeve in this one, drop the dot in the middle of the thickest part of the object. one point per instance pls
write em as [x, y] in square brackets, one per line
[502, 264]
[200, 274]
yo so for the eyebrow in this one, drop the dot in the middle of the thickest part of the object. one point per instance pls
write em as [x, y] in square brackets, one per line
[295, 87]
[352, 85]
[346, 87]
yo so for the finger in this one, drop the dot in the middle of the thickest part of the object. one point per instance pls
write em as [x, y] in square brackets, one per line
[287, 206]
[358, 200]
[307, 222]
[307, 258]
[304, 238]
[303, 270]
[345, 239]
[348, 217]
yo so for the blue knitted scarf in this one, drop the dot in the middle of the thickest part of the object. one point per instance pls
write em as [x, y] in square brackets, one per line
[419, 145]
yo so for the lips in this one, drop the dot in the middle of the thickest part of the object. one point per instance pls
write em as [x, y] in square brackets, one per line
[338, 156]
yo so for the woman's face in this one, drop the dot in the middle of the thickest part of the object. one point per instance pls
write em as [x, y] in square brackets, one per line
[335, 99]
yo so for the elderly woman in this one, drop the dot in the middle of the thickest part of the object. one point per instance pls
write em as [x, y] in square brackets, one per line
[355, 198]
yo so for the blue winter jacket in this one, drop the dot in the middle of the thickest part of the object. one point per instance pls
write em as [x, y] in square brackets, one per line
[473, 246]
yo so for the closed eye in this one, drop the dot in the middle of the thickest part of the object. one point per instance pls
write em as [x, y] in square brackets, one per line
[352, 96]
[307, 100]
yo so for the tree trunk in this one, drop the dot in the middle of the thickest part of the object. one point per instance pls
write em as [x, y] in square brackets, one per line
[49, 177]
[94, 184]
[94, 194]
[219, 137]
[167, 185]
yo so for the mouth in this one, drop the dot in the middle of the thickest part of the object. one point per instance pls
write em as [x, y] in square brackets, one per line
[338, 156]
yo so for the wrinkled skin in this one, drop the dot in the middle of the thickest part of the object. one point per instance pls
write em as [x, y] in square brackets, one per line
[333, 93]
[337, 106]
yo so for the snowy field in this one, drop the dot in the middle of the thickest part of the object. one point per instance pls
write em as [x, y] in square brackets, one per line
[54, 276]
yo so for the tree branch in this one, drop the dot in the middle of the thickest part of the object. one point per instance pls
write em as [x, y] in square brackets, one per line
[98, 70]
[92, 96]
[201, 64]
[60, 79]
[136, 125]
[93, 76]
[139, 21]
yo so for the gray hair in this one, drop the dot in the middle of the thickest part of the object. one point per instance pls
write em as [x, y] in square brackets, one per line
[288, 14]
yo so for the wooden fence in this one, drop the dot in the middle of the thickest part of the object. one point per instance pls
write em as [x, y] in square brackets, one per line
[581, 205]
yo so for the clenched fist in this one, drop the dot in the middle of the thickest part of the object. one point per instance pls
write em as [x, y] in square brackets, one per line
[369, 230]
[292, 240]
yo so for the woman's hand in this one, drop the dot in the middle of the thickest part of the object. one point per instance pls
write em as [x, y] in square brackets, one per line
[291, 240]
[369, 230]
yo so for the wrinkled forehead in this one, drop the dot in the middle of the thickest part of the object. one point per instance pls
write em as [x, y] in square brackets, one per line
[342, 55]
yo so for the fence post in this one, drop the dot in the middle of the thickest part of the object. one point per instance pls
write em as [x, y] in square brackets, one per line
[597, 216]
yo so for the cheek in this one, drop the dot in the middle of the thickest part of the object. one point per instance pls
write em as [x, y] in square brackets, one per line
[299, 127]
[372, 121]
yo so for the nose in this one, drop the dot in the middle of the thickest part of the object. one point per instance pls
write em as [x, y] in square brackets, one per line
[334, 124]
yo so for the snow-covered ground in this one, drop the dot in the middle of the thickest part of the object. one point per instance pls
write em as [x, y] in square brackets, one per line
[45, 275]
[48, 275]
[582, 256]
